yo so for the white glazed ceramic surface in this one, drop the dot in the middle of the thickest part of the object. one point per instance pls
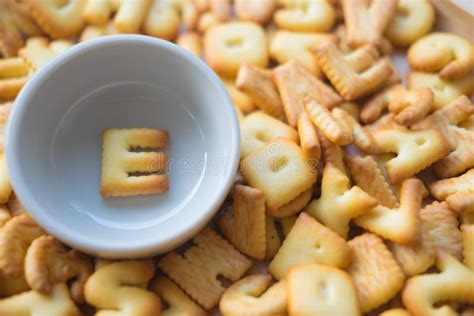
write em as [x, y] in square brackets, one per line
[54, 144]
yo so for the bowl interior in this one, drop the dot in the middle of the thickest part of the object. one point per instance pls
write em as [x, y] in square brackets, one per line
[54, 144]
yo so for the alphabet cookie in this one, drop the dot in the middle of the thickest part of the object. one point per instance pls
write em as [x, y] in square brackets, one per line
[309, 242]
[305, 16]
[243, 223]
[121, 287]
[280, 170]
[366, 20]
[308, 286]
[119, 163]
[412, 20]
[228, 46]
[355, 75]
[197, 269]
[451, 55]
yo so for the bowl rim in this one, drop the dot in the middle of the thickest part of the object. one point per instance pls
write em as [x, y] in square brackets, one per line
[72, 237]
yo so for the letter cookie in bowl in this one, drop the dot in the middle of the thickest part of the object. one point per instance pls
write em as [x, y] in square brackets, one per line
[118, 162]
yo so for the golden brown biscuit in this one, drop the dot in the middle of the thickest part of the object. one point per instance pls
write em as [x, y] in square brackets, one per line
[162, 20]
[366, 20]
[58, 19]
[309, 286]
[367, 175]
[257, 83]
[460, 140]
[240, 99]
[191, 42]
[417, 256]
[453, 283]
[48, 262]
[13, 76]
[411, 106]
[118, 162]
[253, 295]
[16, 24]
[309, 242]
[295, 83]
[451, 55]
[333, 129]
[286, 46]
[355, 75]
[259, 129]
[376, 274]
[416, 150]
[243, 223]
[228, 46]
[442, 226]
[178, 303]
[39, 51]
[280, 170]
[309, 138]
[196, 271]
[305, 16]
[402, 224]
[412, 20]
[339, 202]
[120, 287]
[444, 91]
[36, 304]
[15, 238]
[255, 11]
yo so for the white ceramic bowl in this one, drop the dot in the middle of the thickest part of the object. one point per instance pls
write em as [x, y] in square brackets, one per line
[54, 144]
